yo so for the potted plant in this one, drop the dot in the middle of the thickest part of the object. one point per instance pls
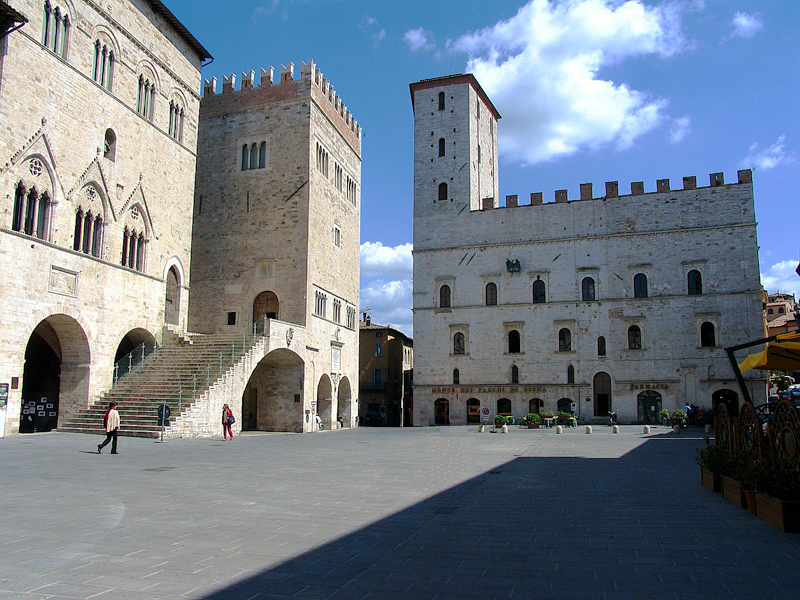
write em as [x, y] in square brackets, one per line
[499, 421]
[564, 418]
[533, 420]
[678, 417]
[664, 415]
[712, 461]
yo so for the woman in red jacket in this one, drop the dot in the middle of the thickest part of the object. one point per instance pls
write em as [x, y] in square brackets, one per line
[227, 421]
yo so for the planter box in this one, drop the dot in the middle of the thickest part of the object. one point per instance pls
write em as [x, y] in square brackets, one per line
[533, 426]
[711, 481]
[732, 490]
[782, 514]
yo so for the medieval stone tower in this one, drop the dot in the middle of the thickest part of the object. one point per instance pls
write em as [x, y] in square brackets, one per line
[276, 235]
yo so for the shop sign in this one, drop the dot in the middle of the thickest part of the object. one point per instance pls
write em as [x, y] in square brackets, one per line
[649, 386]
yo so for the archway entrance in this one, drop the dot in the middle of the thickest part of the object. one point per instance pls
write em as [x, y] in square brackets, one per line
[473, 411]
[727, 397]
[504, 407]
[648, 406]
[602, 394]
[535, 405]
[324, 401]
[172, 309]
[136, 345]
[565, 405]
[441, 411]
[344, 403]
[266, 303]
[272, 398]
[55, 380]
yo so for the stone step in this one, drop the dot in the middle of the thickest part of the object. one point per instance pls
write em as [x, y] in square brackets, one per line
[142, 434]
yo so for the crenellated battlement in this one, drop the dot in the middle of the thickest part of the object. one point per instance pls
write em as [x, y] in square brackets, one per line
[311, 82]
[745, 176]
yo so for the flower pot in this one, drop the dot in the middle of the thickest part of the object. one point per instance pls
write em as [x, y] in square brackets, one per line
[782, 514]
[750, 500]
[710, 480]
[732, 490]
[533, 426]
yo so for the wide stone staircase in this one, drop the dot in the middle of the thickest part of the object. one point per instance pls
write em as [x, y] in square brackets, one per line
[176, 374]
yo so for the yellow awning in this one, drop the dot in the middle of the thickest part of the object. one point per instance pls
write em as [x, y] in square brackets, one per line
[781, 354]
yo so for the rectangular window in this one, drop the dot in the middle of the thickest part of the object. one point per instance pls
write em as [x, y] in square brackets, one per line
[378, 349]
[378, 379]
[231, 318]
[337, 236]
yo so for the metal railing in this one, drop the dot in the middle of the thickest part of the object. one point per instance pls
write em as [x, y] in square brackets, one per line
[133, 359]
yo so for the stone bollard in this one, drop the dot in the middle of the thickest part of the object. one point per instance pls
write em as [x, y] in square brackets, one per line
[559, 429]
[646, 429]
[676, 428]
[615, 429]
[588, 429]
[481, 428]
[505, 429]
[707, 429]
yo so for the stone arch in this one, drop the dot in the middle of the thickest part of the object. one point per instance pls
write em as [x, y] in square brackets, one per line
[148, 69]
[175, 262]
[106, 35]
[325, 400]
[56, 373]
[601, 389]
[271, 400]
[344, 403]
[132, 349]
[266, 303]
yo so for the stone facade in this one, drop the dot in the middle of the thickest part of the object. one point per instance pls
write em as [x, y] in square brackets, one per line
[78, 136]
[276, 233]
[631, 337]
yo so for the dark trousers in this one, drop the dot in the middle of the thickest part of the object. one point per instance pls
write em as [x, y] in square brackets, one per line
[111, 436]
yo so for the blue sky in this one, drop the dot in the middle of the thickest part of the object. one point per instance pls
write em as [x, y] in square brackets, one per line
[589, 90]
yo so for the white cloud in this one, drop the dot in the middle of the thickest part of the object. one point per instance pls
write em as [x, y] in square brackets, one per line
[541, 67]
[745, 25]
[679, 129]
[781, 277]
[264, 11]
[389, 302]
[378, 260]
[369, 26]
[418, 40]
[769, 157]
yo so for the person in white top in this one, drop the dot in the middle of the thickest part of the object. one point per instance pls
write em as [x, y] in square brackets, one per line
[111, 421]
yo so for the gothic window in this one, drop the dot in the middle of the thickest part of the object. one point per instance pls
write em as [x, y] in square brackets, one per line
[456, 377]
[444, 296]
[145, 103]
[19, 207]
[338, 176]
[322, 160]
[441, 100]
[55, 29]
[103, 70]
[253, 156]
[133, 249]
[320, 304]
[514, 374]
[176, 120]
[351, 317]
[564, 340]
[491, 294]
[695, 282]
[441, 146]
[570, 374]
[708, 338]
[587, 289]
[442, 191]
[640, 286]
[538, 292]
[262, 155]
[31, 212]
[337, 310]
[110, 145]
[459, 346]
[601, 346]
[245, 157]
[88, 233]
[634, 337]
[514, 345]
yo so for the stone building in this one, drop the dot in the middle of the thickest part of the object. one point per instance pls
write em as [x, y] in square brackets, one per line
[386, 373]
[276, 235]
[618, 302]
[780, 314]
[98, 138]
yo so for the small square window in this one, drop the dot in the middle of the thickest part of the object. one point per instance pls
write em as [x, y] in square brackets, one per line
[231, 318]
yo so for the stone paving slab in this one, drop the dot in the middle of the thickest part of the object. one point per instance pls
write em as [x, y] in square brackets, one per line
[427, 513]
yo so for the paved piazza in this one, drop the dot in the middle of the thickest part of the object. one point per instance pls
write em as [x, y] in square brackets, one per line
[427, 513]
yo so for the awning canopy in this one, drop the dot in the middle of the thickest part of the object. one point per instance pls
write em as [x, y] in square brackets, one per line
[781, 354]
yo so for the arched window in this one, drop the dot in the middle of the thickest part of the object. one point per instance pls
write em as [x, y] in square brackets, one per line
[491, 294]
[708, 338]
[262, 156]
[245, 157]
[97, 236]
[695, 282]
[444, 296]
[456, 377]
[253, 156]
[55, 29]
[441, 100]
[30, 211]
[441, 146]
[513, 342]
[504, 406]
[780, 310]
[103, 71]
[538, 292]
[587, 289]
[770, 311]
[133, 249]
[570, 374]
[514, 374]
[442, 191]
[459, 347]
[19, 207]
[640, 286]
[86, 242]
[535, 405]
[564, 340]
[110, 145]
[176, 118]
[634, 337]
[601, 346]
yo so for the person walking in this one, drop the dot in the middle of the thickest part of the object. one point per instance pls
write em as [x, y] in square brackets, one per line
[227, 421]
[111, 422]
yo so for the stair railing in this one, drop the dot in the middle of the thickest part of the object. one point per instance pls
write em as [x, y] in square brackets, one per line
[131, 360]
